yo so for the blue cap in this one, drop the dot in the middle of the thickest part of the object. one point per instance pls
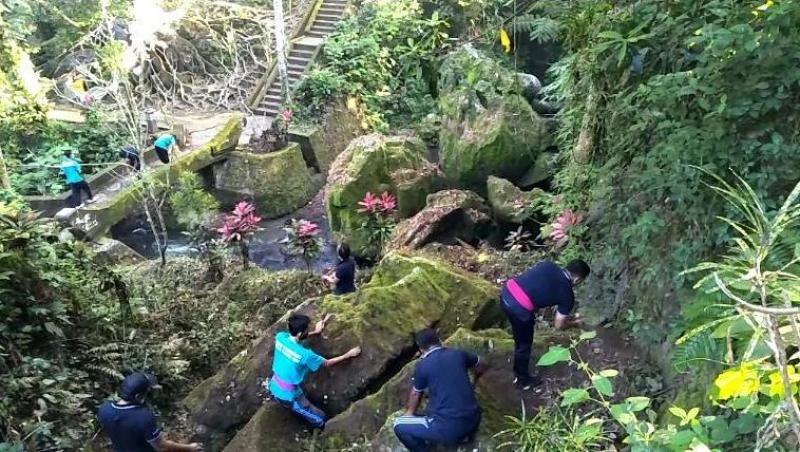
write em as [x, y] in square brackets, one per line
[136, 384]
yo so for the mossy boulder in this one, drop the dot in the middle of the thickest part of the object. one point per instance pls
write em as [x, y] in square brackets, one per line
[406, 293]
[512, 205]
[322, 143]
[544, 168]
[488, 128]
[377, 163]
[278, 182]
[448, 215]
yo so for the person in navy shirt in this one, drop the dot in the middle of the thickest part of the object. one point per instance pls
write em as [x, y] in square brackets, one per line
[453, 414]
[546, 284]
[132, 426]
[343, 277]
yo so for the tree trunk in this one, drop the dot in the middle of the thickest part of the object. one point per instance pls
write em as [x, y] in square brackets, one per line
[5, 182]
[244, 249]
[280, 50]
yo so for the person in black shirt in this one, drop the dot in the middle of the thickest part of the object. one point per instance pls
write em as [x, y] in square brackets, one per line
[343, 277]
[132, 426]
[453, 413]
[546, 284]
[131, 156]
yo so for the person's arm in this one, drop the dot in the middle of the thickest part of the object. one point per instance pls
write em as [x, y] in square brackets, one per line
[474, 364]
[162, 444]
[567, 321]
[420, 384]
[321, 325]
[352, 353]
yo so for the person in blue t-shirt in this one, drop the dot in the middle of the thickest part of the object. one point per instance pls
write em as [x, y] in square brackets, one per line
[292, 362]
[164, 145]
[71, 169]
[343, 277]
[546, 284]
[132, 426]
[453, 414]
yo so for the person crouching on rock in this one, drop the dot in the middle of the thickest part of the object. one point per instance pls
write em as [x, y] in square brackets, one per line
[343, 277]
[131, 425]
[130, 154]
[164, 145]
[291, 364]
[546, 284]
[453, 414]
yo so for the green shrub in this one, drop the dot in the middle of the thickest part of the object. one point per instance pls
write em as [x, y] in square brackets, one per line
[191, 204]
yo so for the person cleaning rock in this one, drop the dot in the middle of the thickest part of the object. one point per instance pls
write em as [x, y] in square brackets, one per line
[164, 145]
[453, 414]
[291, 364]
[131, 425]
[546, 284]
[71, 169]
[130, 154]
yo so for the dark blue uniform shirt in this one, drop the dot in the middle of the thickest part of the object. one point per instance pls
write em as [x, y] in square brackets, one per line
[345, 277]
[546, 284]
[132, 428]
[444, 374]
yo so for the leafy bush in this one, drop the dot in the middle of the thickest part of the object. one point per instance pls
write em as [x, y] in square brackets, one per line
[379, 219]
[191, 204]
[239, 226]
[303, 237]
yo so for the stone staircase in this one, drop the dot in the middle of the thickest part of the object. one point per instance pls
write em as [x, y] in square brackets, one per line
[303, 49]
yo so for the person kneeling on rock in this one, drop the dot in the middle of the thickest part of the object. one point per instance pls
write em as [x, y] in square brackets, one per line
[291, 364]
[453, 414]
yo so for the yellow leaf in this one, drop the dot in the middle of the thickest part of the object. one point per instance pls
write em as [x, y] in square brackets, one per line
[352, 104]
[505, 40]
[739, 382]
[776, 381]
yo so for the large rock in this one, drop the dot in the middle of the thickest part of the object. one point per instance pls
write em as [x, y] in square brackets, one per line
[377, 163]
[542, 169]
[448, 215]
[405, 294]
[323, 142]
[488, 127]
[278, 182]
[113, 252]
[512, 205]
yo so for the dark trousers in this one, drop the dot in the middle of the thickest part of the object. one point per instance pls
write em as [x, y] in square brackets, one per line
[78, 188]
[134, 162]
[305, 411]
[162, 154]
[420, 433]
[522, 327]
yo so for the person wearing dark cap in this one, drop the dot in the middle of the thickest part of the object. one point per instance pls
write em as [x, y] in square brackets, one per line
[453, 414]
[546, 284]
[132, 426]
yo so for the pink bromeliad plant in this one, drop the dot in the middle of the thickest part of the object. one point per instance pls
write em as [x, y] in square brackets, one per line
[560, 229]
[303, 238]
[239, 226]
[379, 218]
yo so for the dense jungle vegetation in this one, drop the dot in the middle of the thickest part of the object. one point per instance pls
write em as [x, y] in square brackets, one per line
[676, 143]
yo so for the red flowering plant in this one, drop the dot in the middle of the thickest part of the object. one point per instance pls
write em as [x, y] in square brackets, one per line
[379, 219]
[563, 227]
[303, 237]
[239, 226]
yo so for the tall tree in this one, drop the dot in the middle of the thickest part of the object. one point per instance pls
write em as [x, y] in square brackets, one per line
[280, 50]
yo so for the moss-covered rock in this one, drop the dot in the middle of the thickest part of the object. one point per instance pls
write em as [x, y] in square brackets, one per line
[542, 169]
[407, 293]
[512, 205]
[488, 128]
[448, 215]
[278, 182]
[323, 142]
[377, 163]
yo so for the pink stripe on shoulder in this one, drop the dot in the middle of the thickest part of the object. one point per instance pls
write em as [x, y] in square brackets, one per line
[522, 298]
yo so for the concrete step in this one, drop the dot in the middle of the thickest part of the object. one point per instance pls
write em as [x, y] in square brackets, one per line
[272, 98]
[333, 17]
[303, 48]
[331, 11]
[323, 28]
[297, 66]
[298, 61]
[317, 34]
[325, 23]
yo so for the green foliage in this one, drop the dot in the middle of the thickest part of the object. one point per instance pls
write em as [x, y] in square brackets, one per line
[636, 417]
[648, 91]
[387, 56]
[191, 204]
[33, 147]
[552, 429]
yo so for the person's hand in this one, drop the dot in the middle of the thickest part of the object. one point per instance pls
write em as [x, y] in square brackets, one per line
[196, 447]
[321, 324]
[353, 352]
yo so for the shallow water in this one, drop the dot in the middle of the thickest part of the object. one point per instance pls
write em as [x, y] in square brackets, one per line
[267, 246]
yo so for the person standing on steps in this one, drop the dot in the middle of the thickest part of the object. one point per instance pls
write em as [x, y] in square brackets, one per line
[132, 426]
[453, 414]
[71, 169]
[546, 284]
[291, 364]
[164, 145]
[343, 278]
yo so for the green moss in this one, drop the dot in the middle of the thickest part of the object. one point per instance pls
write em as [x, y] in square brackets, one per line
[368, 165]
[278, 182]
[512, 205]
